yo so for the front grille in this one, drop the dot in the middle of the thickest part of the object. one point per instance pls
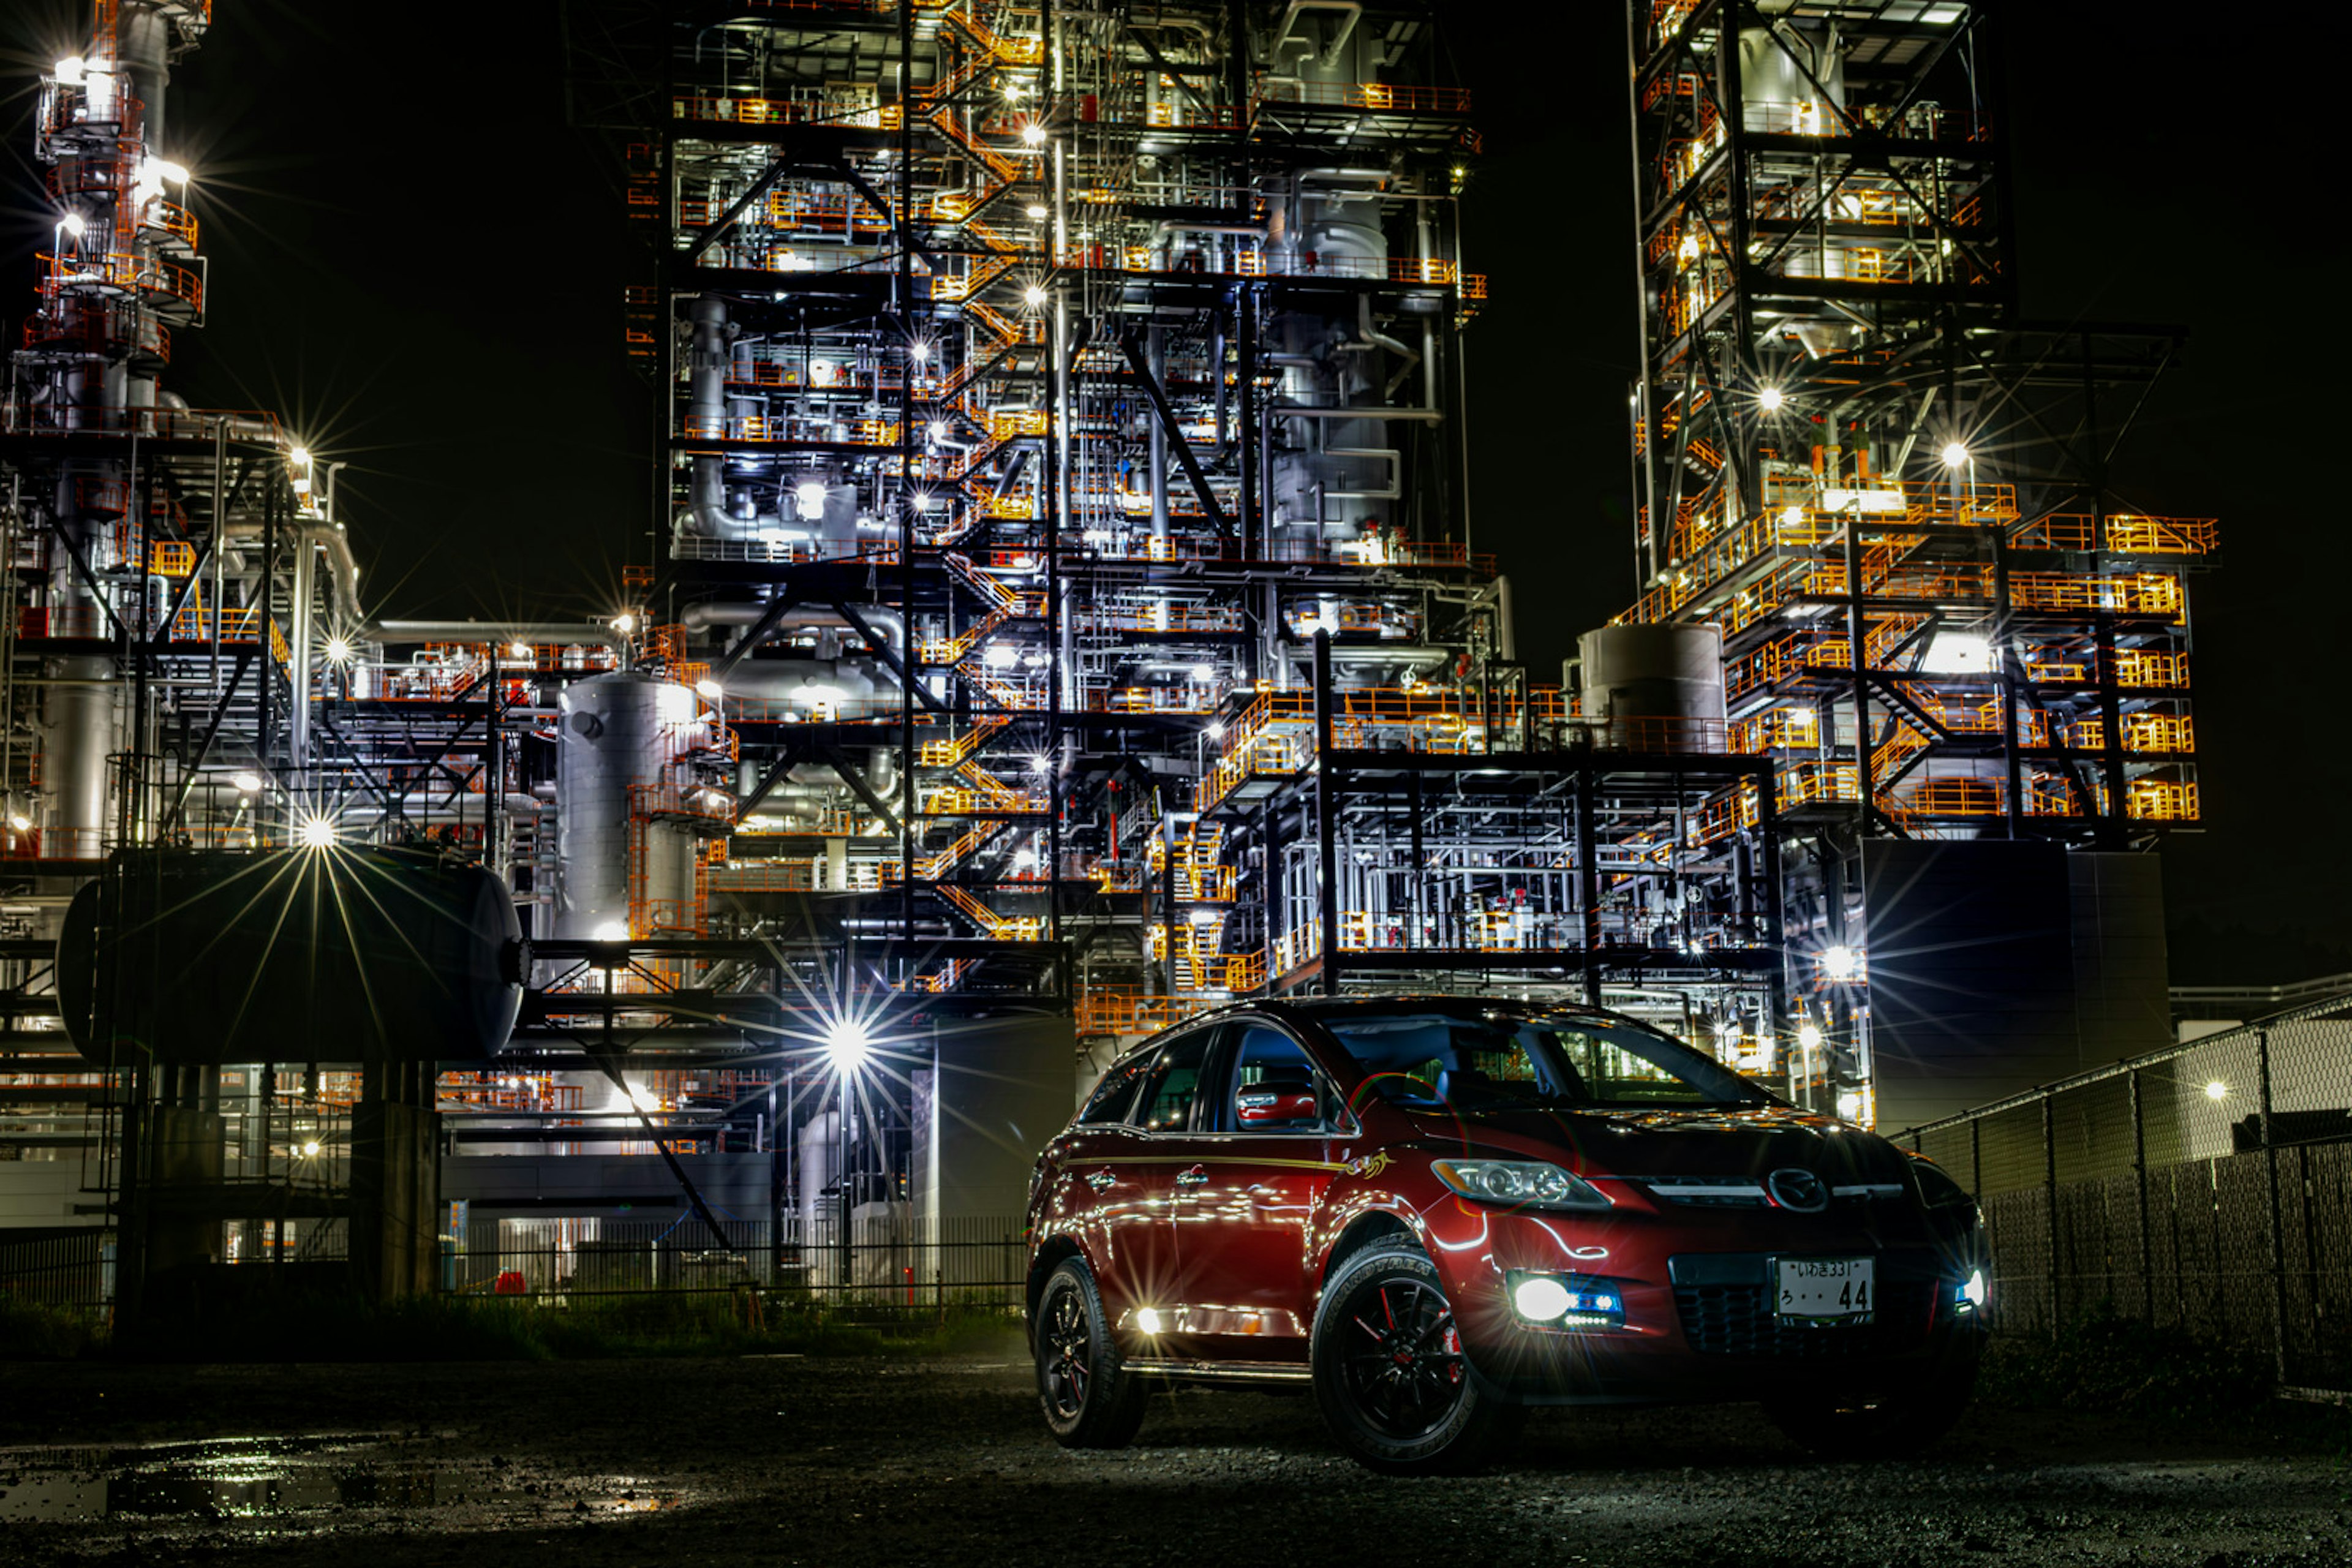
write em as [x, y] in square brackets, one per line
[1738, 1319]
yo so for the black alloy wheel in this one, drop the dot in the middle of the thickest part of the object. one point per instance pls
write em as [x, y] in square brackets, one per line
[1089, 1398]
[1396, 1390]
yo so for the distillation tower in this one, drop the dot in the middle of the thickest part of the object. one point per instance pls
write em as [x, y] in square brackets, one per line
[1960, 650]
[1066, 527]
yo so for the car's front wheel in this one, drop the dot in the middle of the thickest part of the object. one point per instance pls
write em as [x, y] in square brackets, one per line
[1893, 1423]
[1389, 1374]
[1089, 1398]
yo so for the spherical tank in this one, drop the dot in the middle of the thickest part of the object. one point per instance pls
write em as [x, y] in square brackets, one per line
[335, 954]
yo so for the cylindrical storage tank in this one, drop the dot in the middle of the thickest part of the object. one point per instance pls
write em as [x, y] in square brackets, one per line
[199, 956]
[1791, 79]
[1658, 688]
[616, 731]
[820, 1168]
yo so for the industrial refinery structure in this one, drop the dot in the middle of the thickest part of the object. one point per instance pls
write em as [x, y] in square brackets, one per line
[1063, 618]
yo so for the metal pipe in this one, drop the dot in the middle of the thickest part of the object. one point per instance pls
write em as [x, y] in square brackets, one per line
[494, 632]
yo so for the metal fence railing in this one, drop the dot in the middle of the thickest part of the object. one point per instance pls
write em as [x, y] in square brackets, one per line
[75, 1269]
[891, 1262]
[2208, 1186]
[879, 1264]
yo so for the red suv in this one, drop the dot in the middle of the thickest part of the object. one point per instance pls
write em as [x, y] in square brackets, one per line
[1439, 1210]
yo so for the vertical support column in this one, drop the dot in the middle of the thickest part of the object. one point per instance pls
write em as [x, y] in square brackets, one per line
[1588, 878]
[1251, 520]
[1326, 828]
[2050, 1199]
[1858, 667]
[2006, 670]
[910, 817]
[1775, 933]
[2276, 1234]
[265, 733]
[2139, 1191]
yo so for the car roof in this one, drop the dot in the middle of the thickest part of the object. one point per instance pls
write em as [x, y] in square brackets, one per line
[1333, 1009]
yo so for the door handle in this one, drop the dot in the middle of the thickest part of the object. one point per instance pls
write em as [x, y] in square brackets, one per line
[1101, 1181]
[1193, 1178]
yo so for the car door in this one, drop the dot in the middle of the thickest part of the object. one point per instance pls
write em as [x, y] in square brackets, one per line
[1247, 1204]
[1067, 1202]
[1131, 1171]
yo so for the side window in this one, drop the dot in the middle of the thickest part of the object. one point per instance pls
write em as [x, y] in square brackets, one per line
[1107, 1105]
[1175, 1081]
[1276, 1085]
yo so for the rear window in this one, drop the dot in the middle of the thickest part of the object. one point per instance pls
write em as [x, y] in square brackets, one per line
[1502, 1061]
[1108, 1102]
[1175, 1082]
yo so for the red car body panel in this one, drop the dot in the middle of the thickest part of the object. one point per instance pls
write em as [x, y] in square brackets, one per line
[1231, 1261]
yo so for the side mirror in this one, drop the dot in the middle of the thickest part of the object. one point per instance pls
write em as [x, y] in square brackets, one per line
[1275, 1102]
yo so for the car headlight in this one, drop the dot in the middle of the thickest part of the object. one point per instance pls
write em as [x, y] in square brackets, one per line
[1522, 1183]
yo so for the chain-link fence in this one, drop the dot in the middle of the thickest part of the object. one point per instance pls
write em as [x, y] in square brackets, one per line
[2206, 1186]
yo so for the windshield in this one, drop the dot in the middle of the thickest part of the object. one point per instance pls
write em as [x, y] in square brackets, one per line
[1502, 1062]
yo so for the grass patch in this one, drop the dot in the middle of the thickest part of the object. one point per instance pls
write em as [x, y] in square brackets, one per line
[30, 1331]
[2107, 1362]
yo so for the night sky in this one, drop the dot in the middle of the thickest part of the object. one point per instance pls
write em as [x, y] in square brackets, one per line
[418, 265]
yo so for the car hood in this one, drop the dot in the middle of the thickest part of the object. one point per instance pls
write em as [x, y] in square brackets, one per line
[1674, 1143]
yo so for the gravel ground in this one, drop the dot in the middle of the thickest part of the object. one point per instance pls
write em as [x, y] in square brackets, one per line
[779, 1460]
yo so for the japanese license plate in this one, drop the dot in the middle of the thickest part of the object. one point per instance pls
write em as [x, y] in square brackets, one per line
[1825, 1289]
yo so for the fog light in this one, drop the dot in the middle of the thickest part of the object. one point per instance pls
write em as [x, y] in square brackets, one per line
[1146, 1320]
[1540, 1299]
[1573, 1301]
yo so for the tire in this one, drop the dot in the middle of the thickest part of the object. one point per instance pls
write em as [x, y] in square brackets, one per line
[1893, 1425]
[1088, 1397]
[1395, 1388]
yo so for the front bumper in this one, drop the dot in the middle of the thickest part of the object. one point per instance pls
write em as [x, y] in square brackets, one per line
[1698, 1312]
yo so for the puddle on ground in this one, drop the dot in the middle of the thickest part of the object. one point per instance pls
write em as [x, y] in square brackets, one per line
[269, 1476]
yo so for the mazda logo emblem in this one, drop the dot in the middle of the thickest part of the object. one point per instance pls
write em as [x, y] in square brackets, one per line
[1797, 1189]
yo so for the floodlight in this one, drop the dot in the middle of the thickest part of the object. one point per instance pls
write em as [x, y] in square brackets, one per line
[1034, 134]
[318, 832]
[1955, 455]
[70, 71]
[1771, 399]
[847, 1044]
[1839, 963]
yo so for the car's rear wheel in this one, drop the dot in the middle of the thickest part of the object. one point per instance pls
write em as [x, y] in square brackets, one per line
[1389, 1374]
[1089, 1398]
[1892, 1424]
